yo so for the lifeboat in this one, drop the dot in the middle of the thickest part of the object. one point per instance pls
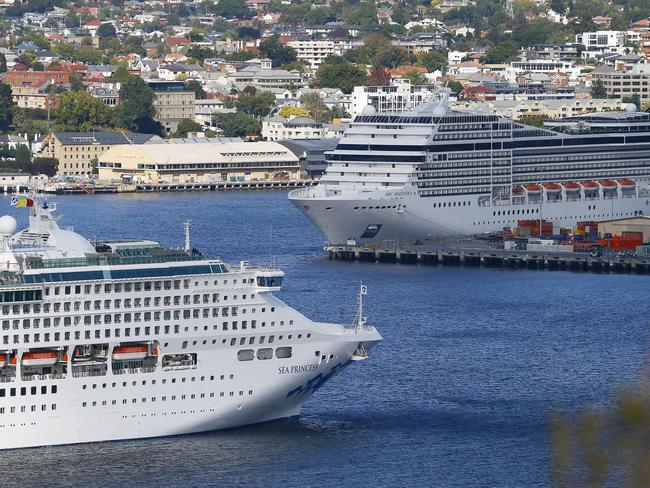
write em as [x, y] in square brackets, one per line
[609, 184]
[517, 189]
[552, 187]
[589, 185]
[571, 186]
[132, 353]
[533, 188]
[626, 183]
[45, 358]
[3, 360]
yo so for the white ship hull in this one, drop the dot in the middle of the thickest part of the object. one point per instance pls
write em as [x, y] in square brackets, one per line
[403, 215]
[177, 401]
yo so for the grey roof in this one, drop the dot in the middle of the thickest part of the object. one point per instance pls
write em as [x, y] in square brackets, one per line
[301, 121]
[298, 146]
[101, 68]
[101, 137]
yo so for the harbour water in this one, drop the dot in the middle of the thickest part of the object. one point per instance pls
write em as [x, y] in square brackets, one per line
[458, 394]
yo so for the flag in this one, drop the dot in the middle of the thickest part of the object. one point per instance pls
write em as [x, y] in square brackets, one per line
[364, 290]
[14, 201]
[22, 202]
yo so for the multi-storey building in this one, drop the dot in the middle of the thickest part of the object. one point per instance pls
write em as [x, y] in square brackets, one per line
[313, 52]
[173, 103]
[635, 81]
[400, 95]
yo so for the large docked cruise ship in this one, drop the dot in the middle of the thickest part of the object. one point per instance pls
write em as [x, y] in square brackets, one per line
[433, 172]
[128, 339]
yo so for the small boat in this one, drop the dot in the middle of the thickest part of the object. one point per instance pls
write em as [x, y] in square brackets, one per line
[132, 353]
[626, 183]
[3, 360]
[45, 358]
[533, 188]
[552, 187]
[589, 185]
[609, 184]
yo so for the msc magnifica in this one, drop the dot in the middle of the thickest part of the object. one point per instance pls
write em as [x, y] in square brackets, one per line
[433, 172]
[128, 339]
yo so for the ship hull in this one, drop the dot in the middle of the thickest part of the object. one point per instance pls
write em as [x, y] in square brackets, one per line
[220, 393]
[404, 216]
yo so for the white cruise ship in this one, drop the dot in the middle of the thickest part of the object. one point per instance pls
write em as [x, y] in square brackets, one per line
[128, 339]
[432, 172]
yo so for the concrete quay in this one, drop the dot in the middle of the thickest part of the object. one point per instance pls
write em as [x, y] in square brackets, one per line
[491, 258]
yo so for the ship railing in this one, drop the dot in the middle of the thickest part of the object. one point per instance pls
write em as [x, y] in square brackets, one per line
[6, 379]
[49, 376]
[179, 367]
[83, 374]
[134, 370]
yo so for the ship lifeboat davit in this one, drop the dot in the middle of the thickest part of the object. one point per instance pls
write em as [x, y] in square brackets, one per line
[626, 183]
[533, 188]
[132, 353]
[608, 184]
[552, 187]
[45, 358]
[571, 186]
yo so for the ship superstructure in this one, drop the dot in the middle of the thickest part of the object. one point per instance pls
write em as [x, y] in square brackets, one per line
[128, 339]
[432, 172]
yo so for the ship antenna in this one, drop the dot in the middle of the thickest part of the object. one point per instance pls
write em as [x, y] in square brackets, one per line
[187, 224]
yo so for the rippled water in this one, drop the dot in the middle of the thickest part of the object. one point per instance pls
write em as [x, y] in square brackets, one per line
[457, 395]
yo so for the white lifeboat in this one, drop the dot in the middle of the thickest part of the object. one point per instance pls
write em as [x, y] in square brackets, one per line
[131, 353]
[45, 358]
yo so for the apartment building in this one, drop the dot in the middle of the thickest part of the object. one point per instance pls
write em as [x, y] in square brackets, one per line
[313, 52]
[400, 95]
[172, 102]
[634, 81]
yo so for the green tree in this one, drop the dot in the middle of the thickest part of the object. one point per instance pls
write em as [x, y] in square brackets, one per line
[433, 60]
[232, 9]
[340, 74]
[500, 53]
[455, 86]
[598, 89]
[185, 126]
[46, 166]
[79, 111]
[3, 63]
[121, 74]
[258, 105]
[106, 30]
[197, 88]
[71, 19]
[23, 157]
[313, 103]
[416, 78]
[136, 110]
[7, 107]
[237, 124]
[278, 53]
[635, 99]
[534, 120]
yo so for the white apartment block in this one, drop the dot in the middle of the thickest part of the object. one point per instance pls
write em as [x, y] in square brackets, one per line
[599, 43]
[401, 95]
[543, 66]
[314, 52]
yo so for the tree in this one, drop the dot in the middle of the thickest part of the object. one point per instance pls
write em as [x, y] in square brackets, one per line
[23, 157]
[197, 88]
[71, 19]
[500, 53]
[534, 120]
[237, 124]
[598, 89]
[3, 63]
[7, 107]
[232, 9]
[379, 77]
[200, 53]
[313, 103]
[416, 78]
[136, 110]
[258, 105]
[185, 126]
[291, 110]
[106, 30]
[278, 53]
[341, 75]
[634, 99]
[433, 60]
[455, 86]
[79, 111]
[121, 74]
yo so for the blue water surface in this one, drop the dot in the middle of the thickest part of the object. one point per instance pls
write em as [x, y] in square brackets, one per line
[458, 394]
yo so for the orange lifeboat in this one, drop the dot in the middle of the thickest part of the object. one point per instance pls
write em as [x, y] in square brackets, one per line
[3, 360]
[627, 183]
[552, 187]
[517, 189]
[533, 188]
[132, 353]
[609, 184]
[45, 358]
[589, 185]
[571, 185]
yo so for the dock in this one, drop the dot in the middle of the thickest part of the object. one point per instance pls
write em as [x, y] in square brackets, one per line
[491, 258]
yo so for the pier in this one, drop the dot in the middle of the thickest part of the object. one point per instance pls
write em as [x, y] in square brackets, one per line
[81, 189]
[491, 258]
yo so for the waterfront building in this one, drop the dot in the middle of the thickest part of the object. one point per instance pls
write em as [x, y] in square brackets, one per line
[78, 152]
[172, 102]
[198, 162]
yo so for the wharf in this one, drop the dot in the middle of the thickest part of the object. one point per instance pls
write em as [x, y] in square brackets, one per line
[491, 258]
[79, 189]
